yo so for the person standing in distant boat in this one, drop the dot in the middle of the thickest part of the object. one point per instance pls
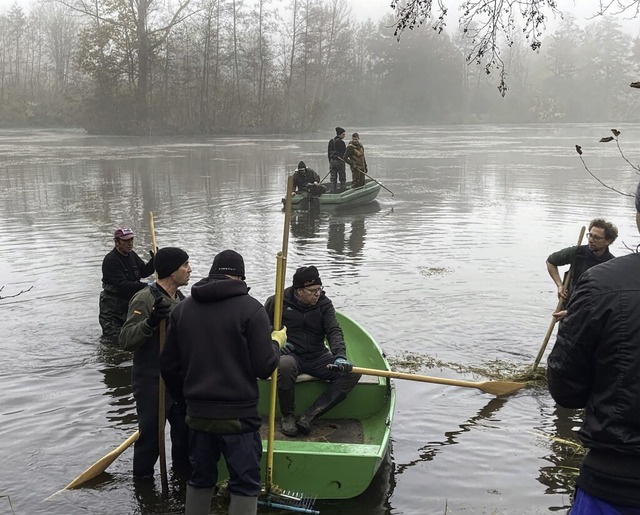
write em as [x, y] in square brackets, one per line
[354, 157]
[122, 270]
[600, 236]
[306, 180]
[141, 335]
[335, 153]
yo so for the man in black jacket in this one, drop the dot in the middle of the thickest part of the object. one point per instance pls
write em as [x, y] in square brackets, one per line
[219, 342]
[122, 270]
[595, 366]
[335, 152]
[310, 317]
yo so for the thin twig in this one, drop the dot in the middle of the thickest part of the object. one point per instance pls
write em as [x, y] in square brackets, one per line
[605, 185]
[15, 295]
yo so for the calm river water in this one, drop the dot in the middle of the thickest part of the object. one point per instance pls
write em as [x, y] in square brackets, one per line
[448, 273]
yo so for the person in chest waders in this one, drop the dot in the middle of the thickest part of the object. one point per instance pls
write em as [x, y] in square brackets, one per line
[354, 157]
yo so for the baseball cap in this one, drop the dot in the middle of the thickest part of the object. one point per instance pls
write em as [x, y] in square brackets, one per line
[123, 233]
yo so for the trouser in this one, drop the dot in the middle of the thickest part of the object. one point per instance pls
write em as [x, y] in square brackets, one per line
[357, 177]
[242, 453]
[113, 314]
[291, 366]
[146, 449]
[585, 504]
[336, 167]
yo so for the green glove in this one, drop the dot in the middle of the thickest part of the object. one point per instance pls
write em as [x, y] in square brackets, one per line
[280, 336]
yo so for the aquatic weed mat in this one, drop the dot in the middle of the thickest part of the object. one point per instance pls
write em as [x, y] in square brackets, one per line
[497, 369]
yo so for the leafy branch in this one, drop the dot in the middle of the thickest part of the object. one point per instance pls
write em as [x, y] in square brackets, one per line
[2, 297]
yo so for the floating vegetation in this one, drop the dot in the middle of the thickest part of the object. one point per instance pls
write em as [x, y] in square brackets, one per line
[433, 270]
[497, 369]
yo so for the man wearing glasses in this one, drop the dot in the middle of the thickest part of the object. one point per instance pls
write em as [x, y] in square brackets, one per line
[310, 317]
[122, 270]
[600, 236]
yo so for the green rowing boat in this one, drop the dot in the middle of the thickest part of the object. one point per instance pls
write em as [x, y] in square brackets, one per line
[343, 199]
[346, 447]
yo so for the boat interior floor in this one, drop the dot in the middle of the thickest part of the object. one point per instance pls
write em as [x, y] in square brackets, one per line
[331, 430]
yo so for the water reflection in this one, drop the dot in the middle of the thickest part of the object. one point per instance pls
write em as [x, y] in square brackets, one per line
[116, 372]
[429, 451]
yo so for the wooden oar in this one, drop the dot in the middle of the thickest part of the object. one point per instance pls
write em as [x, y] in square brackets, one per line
[101, 465]
[281, 268]
[554, 320]
[164, 480]
[493, 387]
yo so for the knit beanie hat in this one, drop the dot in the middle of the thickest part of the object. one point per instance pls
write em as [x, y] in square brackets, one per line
[168, 259]
[355, 135]
[301, 165]
[228, 262]
[306, 276]
[339, 130]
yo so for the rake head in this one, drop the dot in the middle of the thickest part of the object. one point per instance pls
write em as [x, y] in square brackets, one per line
[289, 501]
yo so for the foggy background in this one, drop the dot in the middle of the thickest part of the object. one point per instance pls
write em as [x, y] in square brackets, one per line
[260, 67]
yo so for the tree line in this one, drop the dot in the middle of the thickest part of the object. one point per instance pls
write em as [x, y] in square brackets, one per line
[221, 66]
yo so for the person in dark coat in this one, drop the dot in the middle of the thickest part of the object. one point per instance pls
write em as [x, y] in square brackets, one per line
[335, 152]
[309, 316]
[595, 366]
[122, 270]
[219, 342]
[141, 335]
[601, 235]
[306, 180]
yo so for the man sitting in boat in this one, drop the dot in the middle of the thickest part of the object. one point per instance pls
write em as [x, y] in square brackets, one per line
[307, 180]
[310, 317]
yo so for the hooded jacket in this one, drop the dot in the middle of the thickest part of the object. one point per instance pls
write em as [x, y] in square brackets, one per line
[218, 343]
[307, 326]
[595, 365]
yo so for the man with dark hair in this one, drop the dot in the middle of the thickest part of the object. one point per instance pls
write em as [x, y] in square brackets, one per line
[122, 270]
[141, 335]
[335, 153]
[219, 342]
[595, 366]
[306, 180]
[310, 317]
[601, 235]
[354, 157]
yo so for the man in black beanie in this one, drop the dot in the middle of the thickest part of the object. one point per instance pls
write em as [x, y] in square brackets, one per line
[306, 180]
[149, 308]
[219, 342]
[335, 152]
[595, 366]
[310, 317]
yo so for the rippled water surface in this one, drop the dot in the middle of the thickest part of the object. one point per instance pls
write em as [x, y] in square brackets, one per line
[449, 273]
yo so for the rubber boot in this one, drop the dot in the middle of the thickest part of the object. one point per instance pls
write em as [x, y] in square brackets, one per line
[334, 186]
[241, 505]
[198, 501]
[287, 399]
[322, 404]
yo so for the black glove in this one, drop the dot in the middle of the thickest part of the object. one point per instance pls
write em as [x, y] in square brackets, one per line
[160, 311]
[343, 365]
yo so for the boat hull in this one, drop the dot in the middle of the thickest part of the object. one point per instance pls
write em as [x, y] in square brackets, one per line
[345, 199]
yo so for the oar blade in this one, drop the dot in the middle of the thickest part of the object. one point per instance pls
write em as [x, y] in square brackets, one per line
[500, 387]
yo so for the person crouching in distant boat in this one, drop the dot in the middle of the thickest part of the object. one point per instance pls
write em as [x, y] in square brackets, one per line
[307, 180]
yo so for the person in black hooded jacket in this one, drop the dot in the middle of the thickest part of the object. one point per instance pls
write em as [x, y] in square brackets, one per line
[309, 316]
[595, 366]
[219, 341]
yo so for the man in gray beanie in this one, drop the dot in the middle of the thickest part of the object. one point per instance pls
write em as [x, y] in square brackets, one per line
[595, 366]
[140, 333]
